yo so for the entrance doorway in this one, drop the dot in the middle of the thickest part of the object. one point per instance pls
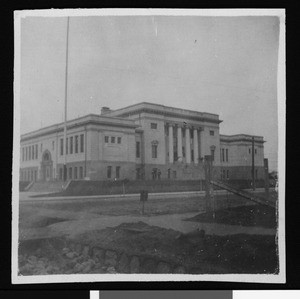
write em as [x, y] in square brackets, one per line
[46, 167]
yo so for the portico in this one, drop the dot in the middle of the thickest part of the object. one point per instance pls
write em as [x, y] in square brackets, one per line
[187, 148]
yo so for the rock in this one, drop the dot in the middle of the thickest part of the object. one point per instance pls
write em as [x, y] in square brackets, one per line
[66, 250]
[110, 258]
[78, 267]
[149, 266]
[123, 266]
[179, 270]
[111, 270]
[32, 259]
[38, 252]
[98, 253]
[163, 268]
[78, 248]
[71, 255]
[86, 250]
[71, 264]
[134, 265]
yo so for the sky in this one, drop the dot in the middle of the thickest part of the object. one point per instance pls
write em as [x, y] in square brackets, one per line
[221, 65]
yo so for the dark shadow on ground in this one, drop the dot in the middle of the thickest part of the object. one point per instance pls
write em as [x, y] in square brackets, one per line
[254, 215]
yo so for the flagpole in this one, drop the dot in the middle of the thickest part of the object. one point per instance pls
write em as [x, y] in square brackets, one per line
[66, 106]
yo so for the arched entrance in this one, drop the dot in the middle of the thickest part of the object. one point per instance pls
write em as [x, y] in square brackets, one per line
[46, 167]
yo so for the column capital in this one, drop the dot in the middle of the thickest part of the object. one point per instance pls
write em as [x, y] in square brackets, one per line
[170, 124]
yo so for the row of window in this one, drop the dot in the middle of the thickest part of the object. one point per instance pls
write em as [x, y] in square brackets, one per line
[154, 149]
[30, 152]
[28, 175]
[110, 169]
[225, 174]
[255, 151]
[73, 173]
[156, 174]
[74, 144]
[112, 139]
[224, 155]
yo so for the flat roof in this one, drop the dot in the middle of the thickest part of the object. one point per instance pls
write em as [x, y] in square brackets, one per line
[241, 137]
[81, 121]
[165, 110]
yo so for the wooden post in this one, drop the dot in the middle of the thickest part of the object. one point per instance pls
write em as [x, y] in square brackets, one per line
[266, 168]
[208, 173]
[253, 165]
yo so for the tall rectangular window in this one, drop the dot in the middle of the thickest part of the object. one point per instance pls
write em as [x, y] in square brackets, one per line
[61, 146]
[67, 146]
[106, 139]
[32, 152]
[226, 154]
[71, 145]
[112, 139]
[118, 172]
[154, 150]
[75, 173]
[36, 151]
[29, 153]
[255, 151]
[211, 133]
[81, 143]
[70, 173]
[109, 172]
[80, 172]
[26, 153]
[223, 156]
[23, 154]
[256, 173]
[119, 140]
[61, 173]
[53, 145]
[137, 149]
[212, 153]
[76, 144]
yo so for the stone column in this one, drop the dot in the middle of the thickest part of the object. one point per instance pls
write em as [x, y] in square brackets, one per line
[196, 151]
[202, 143]
[179, 143]
[171, 150]
[187, 145]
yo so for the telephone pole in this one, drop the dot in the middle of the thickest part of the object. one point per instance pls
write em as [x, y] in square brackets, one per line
[253, 167]
[64, 145]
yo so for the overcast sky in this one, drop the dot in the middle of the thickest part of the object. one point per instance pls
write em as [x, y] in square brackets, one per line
[222, 65]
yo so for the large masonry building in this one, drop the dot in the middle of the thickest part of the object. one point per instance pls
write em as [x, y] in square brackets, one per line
[142, 141]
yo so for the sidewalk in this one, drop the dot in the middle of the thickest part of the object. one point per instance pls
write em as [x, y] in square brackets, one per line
[26, 196]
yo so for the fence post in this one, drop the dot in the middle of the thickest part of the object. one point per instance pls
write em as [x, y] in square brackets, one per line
[208, 174]
[266, 168]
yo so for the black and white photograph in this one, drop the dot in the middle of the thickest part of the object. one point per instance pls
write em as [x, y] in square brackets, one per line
[149, 145]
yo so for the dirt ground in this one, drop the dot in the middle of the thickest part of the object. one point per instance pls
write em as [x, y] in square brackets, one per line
[199, 251]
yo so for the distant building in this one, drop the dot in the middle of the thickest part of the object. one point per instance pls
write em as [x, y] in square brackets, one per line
[142, 141]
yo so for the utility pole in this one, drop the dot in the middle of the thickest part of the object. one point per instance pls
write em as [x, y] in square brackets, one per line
[267, 185]
[66, 104]
[253, 168]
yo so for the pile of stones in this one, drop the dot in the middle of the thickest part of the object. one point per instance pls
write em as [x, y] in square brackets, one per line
[81, 259]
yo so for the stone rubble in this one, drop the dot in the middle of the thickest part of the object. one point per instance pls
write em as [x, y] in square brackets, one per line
[78, 259]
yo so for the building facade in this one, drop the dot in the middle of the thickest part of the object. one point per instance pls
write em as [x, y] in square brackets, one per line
[142, 141]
